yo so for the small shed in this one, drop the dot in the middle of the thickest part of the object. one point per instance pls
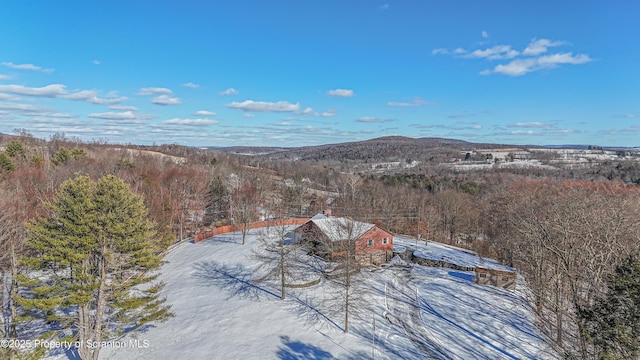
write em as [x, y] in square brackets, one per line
[494, 277]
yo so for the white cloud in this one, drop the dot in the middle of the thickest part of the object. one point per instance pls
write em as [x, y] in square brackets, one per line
[191, 122]
[91, 96]
[384, 7]
[417, 101]
[520, 67]
[204, 113]
[52, 90]
[340, 93]
[230, 91]
[564, 58]
[534, 124]
[32, 110]
[523, 132]
[154, 91]
[4, 77]
[329, 113]
[126, 115]
[310, 112]
[191, 85]
[30, 67]
[485, 34]
[264, 106]
[440, 51]
[248, 116]
[537, 47]
[368, 119]
[494, 53]
[96, 62]
[123, 107]
[7, 97]
[528, 60]
[166, 100]
[59, 91]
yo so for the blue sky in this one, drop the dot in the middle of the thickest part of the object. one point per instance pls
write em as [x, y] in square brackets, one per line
[308, 72]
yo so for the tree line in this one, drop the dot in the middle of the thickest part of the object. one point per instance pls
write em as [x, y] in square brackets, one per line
[566, 237]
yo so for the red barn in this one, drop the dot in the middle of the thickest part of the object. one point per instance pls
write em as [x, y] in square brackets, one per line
[331, 237]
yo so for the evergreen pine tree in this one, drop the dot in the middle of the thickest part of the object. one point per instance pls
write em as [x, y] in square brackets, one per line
[612, 324]
[93, 253]
[5, 162]
[217, 206]
[16, 148]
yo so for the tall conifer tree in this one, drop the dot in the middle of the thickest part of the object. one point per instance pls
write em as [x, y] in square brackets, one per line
[612, 323]
[94, 255]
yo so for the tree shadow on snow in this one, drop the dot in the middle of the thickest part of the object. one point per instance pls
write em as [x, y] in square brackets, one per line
[297, 350]
[235, 279]
[70, 353]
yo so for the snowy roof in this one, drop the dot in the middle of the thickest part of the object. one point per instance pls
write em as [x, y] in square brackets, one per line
[337, 228]
[447, 253]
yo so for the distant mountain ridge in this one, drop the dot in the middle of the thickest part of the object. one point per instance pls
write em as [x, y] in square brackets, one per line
[390, 148]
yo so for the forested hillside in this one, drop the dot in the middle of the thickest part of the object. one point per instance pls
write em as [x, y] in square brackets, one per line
[565, 229]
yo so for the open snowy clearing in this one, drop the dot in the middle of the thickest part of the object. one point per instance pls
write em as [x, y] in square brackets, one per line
[418, 312]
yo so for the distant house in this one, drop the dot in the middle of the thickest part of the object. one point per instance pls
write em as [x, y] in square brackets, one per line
[329, 237]
[494, 277]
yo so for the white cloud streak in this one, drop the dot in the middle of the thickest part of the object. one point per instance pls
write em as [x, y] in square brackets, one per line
[204, 113]
[29, 67]
[534, 124]
[264, 106]
[440, 51]
[91, 96]
[417, 101]
[154, 91]
[341, 93]
[123, 107]
[521, 67]
[229, 91]
[191, 85]
[523, 62]
[537, 47]
[32, 110]
[329, 113]
[191, 122]
[166, 100]
[50, 91]
[310, 112]
[368, 119]
[497, 52]
[126, 115]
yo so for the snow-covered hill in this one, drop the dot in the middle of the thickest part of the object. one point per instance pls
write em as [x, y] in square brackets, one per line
[401, 313]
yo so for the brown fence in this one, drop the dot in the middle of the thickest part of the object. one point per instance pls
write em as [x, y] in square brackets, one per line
[254, 225]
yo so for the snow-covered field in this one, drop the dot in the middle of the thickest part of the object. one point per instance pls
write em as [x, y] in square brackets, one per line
[399, 313]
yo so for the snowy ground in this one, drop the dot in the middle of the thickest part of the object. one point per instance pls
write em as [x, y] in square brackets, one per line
[399, 313]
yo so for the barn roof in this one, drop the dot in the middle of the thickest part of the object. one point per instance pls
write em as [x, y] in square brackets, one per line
[337, 228]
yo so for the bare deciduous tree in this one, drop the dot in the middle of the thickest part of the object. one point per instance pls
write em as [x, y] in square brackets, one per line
[281, 257]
